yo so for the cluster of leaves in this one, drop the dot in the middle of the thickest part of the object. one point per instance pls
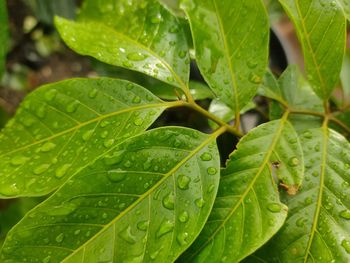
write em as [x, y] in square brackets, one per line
[123, 193]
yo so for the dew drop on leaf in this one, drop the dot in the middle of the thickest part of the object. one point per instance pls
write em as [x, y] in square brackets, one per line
[183, 217]
[72, 107]
[212, 170]
[116, 176]
[346, 245]
[206, 157]
[51, 95]
[41, 169]
[108, 143]
[274, 207]
[19, 160]
[47, 147]
[168, 201]
[9, 190]
[182, 239]
[293, 161]
[47, 259]
[345, 214]
[183, 181]
[136, 99]
[142, 225]
[87, 135]
[138, 121]
[93, 93]
[59, 238]
[199, 202]
[127, 235]
[136, 56]
[166, 227]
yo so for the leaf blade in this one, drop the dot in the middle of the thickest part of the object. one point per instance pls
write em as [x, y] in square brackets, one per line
[323, 41]
[50, 137]
[176, 145]
[232, 71]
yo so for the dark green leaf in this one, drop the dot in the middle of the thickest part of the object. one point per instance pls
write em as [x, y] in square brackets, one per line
[321, 27]
[231, 43]
[63, 127]
[247, 211]
[318, 225]
[138, 35]
[146, 200]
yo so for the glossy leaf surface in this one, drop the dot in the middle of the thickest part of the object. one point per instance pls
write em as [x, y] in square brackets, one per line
[321, 27]
[226, 34]
[247, 211]
[318, 225]
[146, 200]
[64, 126]
[3, 35]
[138, 35]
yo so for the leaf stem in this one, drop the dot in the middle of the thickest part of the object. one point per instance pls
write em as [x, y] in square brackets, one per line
[307, 112]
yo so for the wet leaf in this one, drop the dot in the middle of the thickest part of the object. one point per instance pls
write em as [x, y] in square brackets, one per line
[226, 34]
[145, 200]
[247, 211]
[65, 126]
[321, 28]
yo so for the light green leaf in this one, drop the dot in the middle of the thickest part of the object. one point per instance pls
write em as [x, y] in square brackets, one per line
[321, 28]
[247, 211]
[65, 126]
[345, 76]
[145, 201]
[3, 35]
[173, 6]
[318, 225]
[226, 35]
[138, 35]
[346, 7]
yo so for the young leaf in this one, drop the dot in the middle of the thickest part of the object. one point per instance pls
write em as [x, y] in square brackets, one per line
[231, 43]
[141, 36]
[63, 127]
[318, 225]
[321, 27]
[247, 211]
[145, 200]
[3, 35]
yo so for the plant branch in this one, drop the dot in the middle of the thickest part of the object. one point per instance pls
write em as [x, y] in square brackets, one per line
[307, 112]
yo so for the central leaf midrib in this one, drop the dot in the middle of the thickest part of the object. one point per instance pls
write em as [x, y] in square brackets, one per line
[210, 138]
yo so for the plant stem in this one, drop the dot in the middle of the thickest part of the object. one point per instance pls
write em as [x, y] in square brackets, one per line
[307, 112]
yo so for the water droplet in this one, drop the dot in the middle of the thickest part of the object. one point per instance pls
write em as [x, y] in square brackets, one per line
[169, 201]
[255, 79]
[116, 176]
[182, 239]
[345, 214]
[252, 64]
[115, 158]
[206, 157]
[274, 207]
[293, 161]
[77, 232]
[47, 147]
[61, 210]
[138, 121]
[41, 169]
[199, 202]
[183, 217]
[307, 135]
[127, 235]
[308, 200]
[165, 227]
[136, 99]
[136, 56]
[61, 171]
[72, 107]
[41, 112]
[47, 259]
[108, 143]
[104, 215]
[19, 160]
[156, 19]
[346, 245]
[211, 188]
[212, 170]
[51, 95]
[87, 135]
[182, 54]
[93, 93]
[59, 238]
[9, 190]
[183, 181]
[143, 225]
[155, 254]
[300, 222]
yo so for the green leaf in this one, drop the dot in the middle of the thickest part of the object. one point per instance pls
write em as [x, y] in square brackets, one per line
[247, 211]
[321, 28]
[146, 200]
[173, 6]
[345, 75]
[3, 35]
[318, 225]
[346, 8]
[226, 35]
[65, 126]
[138, 35]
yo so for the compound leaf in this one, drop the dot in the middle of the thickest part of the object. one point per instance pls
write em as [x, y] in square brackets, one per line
[138, 35]
[145, 200]
[247, 211]
[226, 35]
[64, 126]
[318, 224]
[321, 27]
